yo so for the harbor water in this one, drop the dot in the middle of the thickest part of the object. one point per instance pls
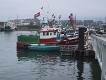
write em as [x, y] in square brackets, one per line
[18, 64]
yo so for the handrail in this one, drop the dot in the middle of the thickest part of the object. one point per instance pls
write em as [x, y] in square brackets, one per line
[99, 46]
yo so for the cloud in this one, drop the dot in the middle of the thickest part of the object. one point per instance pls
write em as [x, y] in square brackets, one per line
[27, 8]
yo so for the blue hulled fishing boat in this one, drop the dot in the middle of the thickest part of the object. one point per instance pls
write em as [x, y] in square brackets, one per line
[43, 48]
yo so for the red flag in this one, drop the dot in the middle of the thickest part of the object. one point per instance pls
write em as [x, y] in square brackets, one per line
[71, 18]
[37, 15]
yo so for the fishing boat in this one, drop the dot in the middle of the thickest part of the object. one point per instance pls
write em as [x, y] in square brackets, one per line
[43, 48]
[47, 35]
[9, 26]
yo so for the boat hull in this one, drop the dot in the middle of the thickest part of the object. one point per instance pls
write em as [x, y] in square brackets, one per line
[43, 48]
[20, 44]
[73, 41]
[49, 40]
[26, 39]
[8, 30]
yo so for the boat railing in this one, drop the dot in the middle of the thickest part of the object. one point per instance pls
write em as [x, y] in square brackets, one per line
[99, 46]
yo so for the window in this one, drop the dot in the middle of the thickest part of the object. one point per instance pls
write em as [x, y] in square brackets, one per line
[47, 33]
[50, 33]
[54, 33]
[43, 33]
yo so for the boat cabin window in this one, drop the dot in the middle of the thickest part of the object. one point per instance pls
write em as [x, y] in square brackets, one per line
[54, 33]
[45, 33]
[50, 33]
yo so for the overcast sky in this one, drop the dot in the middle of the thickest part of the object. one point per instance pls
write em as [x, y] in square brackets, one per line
[83, 9]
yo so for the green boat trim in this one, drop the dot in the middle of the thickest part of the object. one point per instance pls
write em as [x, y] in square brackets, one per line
[28, 38]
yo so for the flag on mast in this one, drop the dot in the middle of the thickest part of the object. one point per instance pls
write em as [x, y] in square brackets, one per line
[37, 15]
[71, 18]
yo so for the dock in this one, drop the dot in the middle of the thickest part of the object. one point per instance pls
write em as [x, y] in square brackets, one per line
[72, 50]
[99, 46]
[95, 48]
[84, 48]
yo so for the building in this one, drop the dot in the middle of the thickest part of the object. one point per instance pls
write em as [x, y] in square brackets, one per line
[24, 22]
[34, 21]
[88, 22]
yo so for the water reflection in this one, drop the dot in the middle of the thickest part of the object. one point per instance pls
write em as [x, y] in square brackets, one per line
[51, 65]
[36, 55]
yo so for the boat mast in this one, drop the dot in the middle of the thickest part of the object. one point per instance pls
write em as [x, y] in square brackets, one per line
[17, 19]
